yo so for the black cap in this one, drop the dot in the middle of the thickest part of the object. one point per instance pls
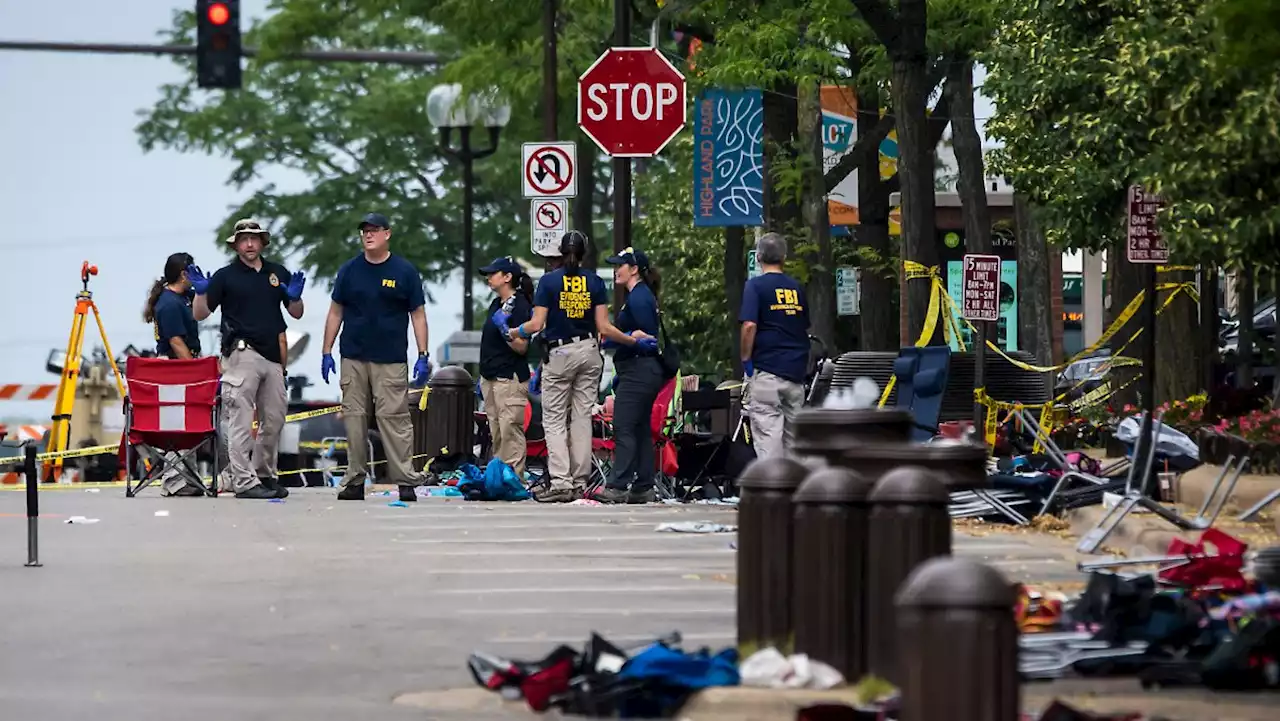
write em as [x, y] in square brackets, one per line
[377, 220]
[629, 256]
[505, 264]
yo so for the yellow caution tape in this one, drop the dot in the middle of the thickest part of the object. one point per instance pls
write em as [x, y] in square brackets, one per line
[115, 447]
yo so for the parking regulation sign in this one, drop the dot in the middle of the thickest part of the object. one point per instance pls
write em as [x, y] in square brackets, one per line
[549, 219]
[549, 170]
[981, 289]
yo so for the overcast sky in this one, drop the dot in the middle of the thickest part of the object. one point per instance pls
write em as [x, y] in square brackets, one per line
[76, 186]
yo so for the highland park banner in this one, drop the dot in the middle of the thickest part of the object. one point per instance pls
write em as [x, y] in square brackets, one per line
[728, 158]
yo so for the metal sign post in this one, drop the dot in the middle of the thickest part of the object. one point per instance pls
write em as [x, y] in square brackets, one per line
[1144, 244]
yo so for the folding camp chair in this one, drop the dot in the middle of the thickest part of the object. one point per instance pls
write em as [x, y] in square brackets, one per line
[921, 384]
[171, 413]
[1135, 497]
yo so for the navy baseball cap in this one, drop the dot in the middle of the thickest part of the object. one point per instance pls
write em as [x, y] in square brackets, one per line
[377, 220]
[629, 256]
[505, 264]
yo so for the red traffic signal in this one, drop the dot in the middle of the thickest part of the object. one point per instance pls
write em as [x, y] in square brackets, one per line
[219, 14]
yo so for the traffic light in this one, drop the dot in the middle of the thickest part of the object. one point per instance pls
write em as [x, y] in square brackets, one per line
[218, 44]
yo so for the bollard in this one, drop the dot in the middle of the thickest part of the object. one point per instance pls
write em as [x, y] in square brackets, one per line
[908, 525]
[33, 506]
[827, 432]
[961, 466]
[829, 569]
[958, 644]
[451, 408]
[764, 554]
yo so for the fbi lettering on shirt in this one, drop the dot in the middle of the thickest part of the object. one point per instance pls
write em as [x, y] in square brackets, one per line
[786, 301]
[575, 299]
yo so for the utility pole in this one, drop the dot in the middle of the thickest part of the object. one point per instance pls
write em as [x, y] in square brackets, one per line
[550, 91]
[621, 166]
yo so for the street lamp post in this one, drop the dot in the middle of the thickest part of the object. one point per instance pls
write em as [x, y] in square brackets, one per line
[448, 110]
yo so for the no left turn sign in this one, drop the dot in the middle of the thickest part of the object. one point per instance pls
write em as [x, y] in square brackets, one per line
[550, 170]
[548, 221]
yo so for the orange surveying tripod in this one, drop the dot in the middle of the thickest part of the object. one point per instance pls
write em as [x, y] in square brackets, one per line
[64, 401]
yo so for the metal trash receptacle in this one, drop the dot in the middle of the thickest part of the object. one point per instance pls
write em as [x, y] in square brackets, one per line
[451, 407]
[827, 433]
[962, 466]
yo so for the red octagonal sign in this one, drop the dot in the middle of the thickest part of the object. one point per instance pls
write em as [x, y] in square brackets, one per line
[631, 102]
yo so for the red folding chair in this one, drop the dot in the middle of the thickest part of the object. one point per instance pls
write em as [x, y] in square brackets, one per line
[172, 408]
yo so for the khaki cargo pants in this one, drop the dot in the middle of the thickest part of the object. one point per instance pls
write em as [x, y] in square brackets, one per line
[251, 384]
[505, 401]
[570, 385]
[772, 407]
[385, 388]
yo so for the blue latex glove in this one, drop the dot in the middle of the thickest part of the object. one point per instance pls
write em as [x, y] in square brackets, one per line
[421, 371]
[535, 383]
[478, 393]
[501, 319]
[199, 283]
[748, 368]
[608, 344]
[648, 345]
[296, 281]
[327, 366]
[613, 383]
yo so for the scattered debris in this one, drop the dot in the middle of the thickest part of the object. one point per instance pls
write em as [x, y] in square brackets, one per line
[162, 514]
[696, 527]
[80, 519]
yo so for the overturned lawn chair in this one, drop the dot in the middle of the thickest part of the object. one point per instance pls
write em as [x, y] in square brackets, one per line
[1136, 497]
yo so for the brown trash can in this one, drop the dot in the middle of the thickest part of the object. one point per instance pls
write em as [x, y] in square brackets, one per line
[958, 644]
[963, 466]
[451, 408]
[829, 568]
[827, 432]
[908, 525]
[764, 553]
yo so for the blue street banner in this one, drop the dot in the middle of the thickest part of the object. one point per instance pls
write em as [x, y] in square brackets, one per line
[728, 158]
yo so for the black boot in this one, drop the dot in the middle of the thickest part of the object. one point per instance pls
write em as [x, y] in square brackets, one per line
[351, 493]
[273, 485]
[409, 494]
[258, 492]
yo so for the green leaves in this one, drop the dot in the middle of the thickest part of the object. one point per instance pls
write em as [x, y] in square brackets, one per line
[1093, 96]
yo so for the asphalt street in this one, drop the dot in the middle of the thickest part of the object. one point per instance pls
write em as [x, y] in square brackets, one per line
[315, 609]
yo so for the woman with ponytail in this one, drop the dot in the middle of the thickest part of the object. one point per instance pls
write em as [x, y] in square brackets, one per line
[168, 308]
[571, 310]
[504, 369]
[640, 377]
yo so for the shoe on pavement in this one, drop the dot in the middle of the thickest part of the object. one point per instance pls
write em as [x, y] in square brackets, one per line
[269, 482]
[409, 494]
[610, 495]
[556, 495]
[649, 496]
[351, 493]
[259, 492]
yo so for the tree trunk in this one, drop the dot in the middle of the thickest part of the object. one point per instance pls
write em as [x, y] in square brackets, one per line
[1034, 317]
[1247, 307]
[1209, 324]
[972, 188]
[735, 278]
[878, 319]
[781, 209]
[821, 287]
[1125, 281]
[910, 85]
[1177, 372]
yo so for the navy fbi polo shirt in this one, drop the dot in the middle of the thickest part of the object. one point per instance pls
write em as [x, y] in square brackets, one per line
[497, 358]
[640, 313]
[376, 300]
[173, 319]
[251, 302]
[776, 303]
[571, 302]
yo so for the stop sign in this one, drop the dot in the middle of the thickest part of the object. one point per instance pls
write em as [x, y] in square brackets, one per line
[631, 102]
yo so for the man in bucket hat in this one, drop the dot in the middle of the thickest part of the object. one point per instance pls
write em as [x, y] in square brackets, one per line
[251, 291]
[377, 296]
